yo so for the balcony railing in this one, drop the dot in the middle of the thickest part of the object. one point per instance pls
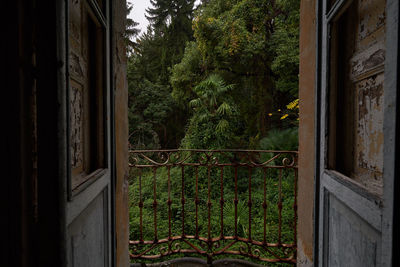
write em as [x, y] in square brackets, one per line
[213, 203]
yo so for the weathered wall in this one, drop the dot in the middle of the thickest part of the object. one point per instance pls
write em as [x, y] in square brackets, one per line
[306, 131]
[121, 133]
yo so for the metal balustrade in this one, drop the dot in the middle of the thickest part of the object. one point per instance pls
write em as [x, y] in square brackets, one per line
[213, 202]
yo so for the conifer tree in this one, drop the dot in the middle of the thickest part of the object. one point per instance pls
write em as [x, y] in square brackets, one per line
[159, 49]
[130, 31]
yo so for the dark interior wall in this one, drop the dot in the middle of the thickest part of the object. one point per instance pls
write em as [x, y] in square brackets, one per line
[17, 206]
[12, 222]
[34, 182]
[51, 187]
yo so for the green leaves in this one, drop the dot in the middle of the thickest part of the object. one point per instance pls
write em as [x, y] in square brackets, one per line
[195, 103]
[225, 109]
[281, 140]
[157, 119]
[211, 91]
[214, 115]
[252, 44]
[285, 46]
[222, 126]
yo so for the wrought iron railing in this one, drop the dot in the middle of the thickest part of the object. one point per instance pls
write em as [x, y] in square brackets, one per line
[213, 202]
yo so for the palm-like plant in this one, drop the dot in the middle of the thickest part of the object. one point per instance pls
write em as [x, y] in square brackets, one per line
[212, 101]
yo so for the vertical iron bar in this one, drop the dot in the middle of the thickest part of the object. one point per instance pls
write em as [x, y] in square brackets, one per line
[280, 208]
[236, 201]
[140, 206]
[155, 203]
[265, 206]
[169, 202]
[209, 203]
[183, 201]
[222, 202]
[249, 203]
[197, 202]
[285, 169]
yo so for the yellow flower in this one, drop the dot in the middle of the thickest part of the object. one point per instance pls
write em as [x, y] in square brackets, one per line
[294, 104]
[270, 114]
[284, 116]
[279, 110]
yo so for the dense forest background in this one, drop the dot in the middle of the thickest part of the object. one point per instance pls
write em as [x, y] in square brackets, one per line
[222, 74]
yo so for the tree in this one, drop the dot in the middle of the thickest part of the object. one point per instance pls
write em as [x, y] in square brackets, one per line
[250, 44]
[171, 22]
[214, 117]
[158, 50]
[149, 106]
[130, 31]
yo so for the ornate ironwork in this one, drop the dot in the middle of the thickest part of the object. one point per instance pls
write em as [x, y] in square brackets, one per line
[201, 180]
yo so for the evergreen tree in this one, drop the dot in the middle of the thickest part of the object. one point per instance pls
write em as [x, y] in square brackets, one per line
[159, 49]
[130, 31]
[171, 22]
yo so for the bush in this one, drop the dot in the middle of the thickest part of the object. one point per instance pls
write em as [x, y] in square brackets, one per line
[281, 140]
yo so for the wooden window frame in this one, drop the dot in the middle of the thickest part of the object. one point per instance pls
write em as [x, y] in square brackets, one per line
[340, 139]
[95, 150]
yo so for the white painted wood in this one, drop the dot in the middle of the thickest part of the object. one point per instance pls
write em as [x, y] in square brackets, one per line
[368, 209]
[83, 199]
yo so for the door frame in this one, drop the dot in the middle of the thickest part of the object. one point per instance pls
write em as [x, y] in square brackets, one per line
[390, 200]
[391, 126]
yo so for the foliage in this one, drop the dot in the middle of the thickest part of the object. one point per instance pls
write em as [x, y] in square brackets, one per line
[281, 140]
[156, 119]
[187, 74]
[285, 45]
[214, 116]
[249, 43]
[149, 105]
[161, 181]
[216, 77]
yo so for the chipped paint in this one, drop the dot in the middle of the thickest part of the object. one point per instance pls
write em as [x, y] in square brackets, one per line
[367, 76]
[369, 133]
[367, 62]
[372, 17]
